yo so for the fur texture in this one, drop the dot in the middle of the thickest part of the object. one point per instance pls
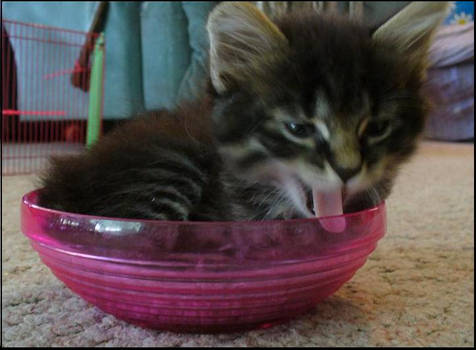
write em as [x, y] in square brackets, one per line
[294, 103]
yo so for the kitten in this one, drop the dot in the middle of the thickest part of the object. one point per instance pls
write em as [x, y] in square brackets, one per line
[300, 109]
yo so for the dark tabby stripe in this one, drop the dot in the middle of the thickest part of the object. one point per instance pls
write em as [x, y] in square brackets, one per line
[173, 193]
[169, 208]
[278, 144]
[191, 185]
[251, 159]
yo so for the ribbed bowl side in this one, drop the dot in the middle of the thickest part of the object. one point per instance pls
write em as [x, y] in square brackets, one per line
[203, 305]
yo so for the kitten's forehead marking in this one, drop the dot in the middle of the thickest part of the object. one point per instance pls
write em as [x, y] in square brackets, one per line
[325, 111]
[322, 109]
[362, 126]
[322, 127]
[283, 115]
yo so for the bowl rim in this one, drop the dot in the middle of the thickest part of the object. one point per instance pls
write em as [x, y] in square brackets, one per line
[29, 210]
[27, 200]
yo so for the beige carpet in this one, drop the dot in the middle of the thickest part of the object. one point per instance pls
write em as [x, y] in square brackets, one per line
[416, 289]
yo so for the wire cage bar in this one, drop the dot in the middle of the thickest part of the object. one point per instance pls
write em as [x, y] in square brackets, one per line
[45, 93]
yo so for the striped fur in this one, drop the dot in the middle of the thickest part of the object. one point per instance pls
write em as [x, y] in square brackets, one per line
[293, 102]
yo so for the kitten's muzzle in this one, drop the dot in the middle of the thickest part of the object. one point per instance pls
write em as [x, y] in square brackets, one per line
[346, 173]
[347, 165]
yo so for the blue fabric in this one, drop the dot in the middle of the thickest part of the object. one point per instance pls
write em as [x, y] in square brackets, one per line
[175, 51]
[156, 52]
[193, 82]
[462, 12]
[67, 15]
[123, 94]
[166, 52]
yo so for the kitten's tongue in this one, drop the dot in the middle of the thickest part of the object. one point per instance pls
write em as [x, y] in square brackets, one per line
[329, 203]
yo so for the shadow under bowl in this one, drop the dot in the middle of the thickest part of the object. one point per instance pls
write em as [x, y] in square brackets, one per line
[202, 277]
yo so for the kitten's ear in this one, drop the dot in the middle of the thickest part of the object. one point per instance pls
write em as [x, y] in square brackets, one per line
[243, 41]
[411, 30]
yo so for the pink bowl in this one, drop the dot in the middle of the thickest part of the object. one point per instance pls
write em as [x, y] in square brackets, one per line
[201, 276]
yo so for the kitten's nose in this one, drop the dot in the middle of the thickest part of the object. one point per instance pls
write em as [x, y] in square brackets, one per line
[346, 173]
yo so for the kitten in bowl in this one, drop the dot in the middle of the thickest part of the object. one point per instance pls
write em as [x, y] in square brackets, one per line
[304, 115]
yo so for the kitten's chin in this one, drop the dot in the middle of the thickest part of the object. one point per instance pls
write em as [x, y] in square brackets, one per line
[366, 199]
[362, 191]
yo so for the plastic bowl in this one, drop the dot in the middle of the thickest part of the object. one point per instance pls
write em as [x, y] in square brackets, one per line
[201, 276]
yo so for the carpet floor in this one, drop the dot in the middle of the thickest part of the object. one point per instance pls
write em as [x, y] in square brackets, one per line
[416, 289]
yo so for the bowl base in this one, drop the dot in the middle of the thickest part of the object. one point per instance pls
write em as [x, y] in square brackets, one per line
[216, 329]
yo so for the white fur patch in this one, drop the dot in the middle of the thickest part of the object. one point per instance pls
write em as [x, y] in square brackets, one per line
[322, 109]
[322, 127]
[239, 150]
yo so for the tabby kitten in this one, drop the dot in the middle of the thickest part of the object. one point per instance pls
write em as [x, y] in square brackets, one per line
[305, 115]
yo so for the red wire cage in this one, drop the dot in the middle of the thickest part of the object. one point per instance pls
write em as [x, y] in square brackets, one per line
[45, 94]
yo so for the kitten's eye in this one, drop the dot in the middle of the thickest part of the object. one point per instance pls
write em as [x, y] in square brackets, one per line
[300, 130]
[377, 130]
